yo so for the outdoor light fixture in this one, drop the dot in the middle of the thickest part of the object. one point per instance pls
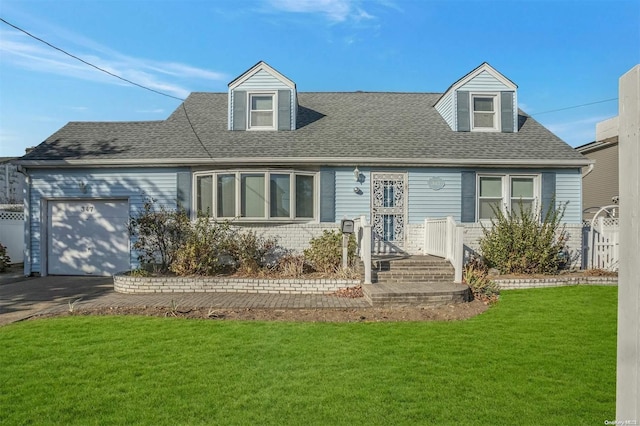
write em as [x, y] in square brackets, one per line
[82, 186]
[357, 190]
[356, 174]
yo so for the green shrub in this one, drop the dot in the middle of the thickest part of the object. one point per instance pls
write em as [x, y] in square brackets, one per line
[476, 276]
[5, 261]
[250, 251]
[325, 251]
[158, 233]
[520, 242]
[203, 249]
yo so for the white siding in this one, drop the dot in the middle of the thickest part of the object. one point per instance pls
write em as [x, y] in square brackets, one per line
[446, 108]
[484, 82]
[136, 185]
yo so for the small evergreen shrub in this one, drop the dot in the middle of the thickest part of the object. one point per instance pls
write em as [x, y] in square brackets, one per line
[476, 275]
[520, 242]
[158, 233]
[325, 252]
[5, 261]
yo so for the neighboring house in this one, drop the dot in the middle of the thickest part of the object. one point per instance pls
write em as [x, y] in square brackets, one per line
[11, 183]
[292, 164]
[600, 182]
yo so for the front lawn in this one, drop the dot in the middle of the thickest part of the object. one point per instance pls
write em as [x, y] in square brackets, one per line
[540, 356]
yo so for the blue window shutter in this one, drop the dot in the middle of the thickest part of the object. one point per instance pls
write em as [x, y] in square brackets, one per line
[464, 114]
[468, 199]
[183, 186]
[284, 110]
[506, 112]
[239, 110]
[327, 196]
[548, 192]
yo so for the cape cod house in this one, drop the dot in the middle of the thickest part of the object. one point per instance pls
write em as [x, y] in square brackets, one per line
[292, 164]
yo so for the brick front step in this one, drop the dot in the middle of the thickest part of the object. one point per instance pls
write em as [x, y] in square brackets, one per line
[415, 294]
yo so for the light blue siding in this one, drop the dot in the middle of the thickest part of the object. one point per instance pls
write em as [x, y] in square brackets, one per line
[446, 108]
[348, 203]
[569, 189]
[134, 185]
[484, 81]
[263, 81]
[425, 201]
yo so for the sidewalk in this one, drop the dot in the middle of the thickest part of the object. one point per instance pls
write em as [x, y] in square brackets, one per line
[23, 297]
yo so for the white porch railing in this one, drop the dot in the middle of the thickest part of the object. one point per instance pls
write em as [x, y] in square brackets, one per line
[444, 238]
[12, 234]
[363, 238]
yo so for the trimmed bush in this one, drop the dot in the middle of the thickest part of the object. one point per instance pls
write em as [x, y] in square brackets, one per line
[520, 242]
[204, 249]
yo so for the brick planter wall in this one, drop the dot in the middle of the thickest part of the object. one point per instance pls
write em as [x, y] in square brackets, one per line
[129, 284]
[511, 284]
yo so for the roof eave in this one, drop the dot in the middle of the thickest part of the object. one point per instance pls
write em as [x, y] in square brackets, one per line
[329, 161]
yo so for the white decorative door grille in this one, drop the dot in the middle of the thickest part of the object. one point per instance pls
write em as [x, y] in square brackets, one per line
[388, 211]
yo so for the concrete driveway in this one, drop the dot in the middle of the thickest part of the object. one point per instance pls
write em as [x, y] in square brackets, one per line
[22, 297]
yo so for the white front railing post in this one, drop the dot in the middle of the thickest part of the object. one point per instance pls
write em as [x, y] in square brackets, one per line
[365, 250]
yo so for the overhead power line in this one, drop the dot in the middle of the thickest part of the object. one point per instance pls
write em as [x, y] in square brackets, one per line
[89, 63]
[575, 106]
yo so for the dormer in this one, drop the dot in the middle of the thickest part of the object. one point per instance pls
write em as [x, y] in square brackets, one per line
[262, 99]
[482, 101]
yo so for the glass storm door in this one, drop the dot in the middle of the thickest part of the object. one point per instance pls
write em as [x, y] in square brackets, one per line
[388, 211]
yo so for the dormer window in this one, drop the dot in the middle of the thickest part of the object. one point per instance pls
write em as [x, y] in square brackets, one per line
[484, 116]
[261, 111]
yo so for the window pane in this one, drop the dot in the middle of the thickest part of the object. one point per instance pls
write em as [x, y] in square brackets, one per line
[522, 187]
[262, 118]
[483, 120]
[280, 200]
[527, 205]
[483, 104]
[226, 195]
[304, 196]
[485, 210]
[491, 187]
[204, 194]
[262, 103]
[252, 201]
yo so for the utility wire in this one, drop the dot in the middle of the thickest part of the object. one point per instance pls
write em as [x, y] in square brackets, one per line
[116, 76]
[575, 106]
[88, 63]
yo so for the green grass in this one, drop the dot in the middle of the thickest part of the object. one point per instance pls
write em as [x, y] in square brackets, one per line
[543, 356]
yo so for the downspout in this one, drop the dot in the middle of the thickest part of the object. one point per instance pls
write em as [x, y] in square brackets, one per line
[589, 170]
[26, 194]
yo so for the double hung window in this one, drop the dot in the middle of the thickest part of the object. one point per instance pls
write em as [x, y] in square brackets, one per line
[506, 193]
[261, 111]
[484, 115]
[256, 195]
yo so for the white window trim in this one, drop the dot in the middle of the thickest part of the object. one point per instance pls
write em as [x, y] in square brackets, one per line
[497, 108]
[506, 190]
[274, 110]
[267, 195]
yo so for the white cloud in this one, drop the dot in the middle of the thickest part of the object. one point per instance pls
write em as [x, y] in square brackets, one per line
[333, 10]
[21, 51]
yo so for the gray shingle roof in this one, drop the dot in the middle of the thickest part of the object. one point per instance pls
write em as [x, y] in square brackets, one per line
[361, 127]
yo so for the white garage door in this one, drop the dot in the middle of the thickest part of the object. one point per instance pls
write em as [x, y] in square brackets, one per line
[88, 237]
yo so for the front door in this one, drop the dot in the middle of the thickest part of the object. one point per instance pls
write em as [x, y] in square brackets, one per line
[388, 211]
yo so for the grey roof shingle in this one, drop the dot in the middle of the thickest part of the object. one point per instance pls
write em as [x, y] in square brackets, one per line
[363, 127]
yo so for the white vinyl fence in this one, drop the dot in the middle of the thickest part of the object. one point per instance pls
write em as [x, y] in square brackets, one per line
[603, 244]
[444, 238]
[12, 234]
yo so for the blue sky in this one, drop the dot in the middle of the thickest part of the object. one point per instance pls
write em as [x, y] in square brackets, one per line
[560, 54]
